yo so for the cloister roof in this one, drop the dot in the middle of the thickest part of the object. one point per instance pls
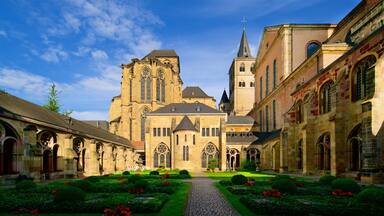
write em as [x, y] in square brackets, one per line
[243, 120]
[19, 109]
[184, 108]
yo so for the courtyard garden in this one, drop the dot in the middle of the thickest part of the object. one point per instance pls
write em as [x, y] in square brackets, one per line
[252, 193]
[141, 193]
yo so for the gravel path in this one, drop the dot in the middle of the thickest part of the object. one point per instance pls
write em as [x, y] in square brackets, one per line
[206, 199]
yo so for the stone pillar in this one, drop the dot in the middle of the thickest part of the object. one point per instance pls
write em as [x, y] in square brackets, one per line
[108, 160]
[69, 164]
[222, 147]
[120, 159]
[284, 152]
[91, 162]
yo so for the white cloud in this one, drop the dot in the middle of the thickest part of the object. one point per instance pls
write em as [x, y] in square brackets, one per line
[3, 33]
[54, 54]
[90, 115]
[99, 55]
[72, 22]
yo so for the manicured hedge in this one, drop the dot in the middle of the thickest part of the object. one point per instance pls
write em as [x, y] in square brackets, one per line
[69, 194]
[284, 186]
[183, 172]
[239, 179]
[371, 196]
[345, 184]
[154, 172]
[327, 179]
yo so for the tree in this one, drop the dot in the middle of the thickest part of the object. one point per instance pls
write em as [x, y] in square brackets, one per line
[53, 101]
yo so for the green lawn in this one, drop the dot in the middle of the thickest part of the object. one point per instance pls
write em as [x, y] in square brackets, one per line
[228, 175]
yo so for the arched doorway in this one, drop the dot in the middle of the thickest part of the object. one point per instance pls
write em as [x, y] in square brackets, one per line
[324, 152]
[55, 157]
[9, 146]
[233, 159]
[355, 149]
[47, 159]
[208, 155]
[9, 141]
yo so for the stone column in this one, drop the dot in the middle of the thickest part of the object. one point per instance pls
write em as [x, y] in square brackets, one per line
[284, 152]
[222, 143]
[108, 160]
[91, 162]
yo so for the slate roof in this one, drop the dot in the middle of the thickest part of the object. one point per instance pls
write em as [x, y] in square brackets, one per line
[247, 120]
[19, 109]
[162, 53]
[241, 137]
[185, 124]
[183, 108]
[224, 98]
[98, 123]
[266, 136]
[194, 92]
[244, 50]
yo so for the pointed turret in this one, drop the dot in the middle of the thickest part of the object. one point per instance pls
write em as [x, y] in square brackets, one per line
[224, 104]
[224, 98]
[244, 50]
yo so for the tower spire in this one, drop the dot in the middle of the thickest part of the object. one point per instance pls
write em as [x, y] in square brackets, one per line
[244, 50]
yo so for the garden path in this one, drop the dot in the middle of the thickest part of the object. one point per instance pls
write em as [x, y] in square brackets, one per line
[206, 199]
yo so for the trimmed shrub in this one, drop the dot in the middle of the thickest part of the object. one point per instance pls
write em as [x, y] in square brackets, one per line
[373, 196]
[83, 185]
[25, 185]
[93, 178]
[126, 173]
[326, 180]
[284, 186]
[142, 183]
[69, 194]
[154, 172]
[183, 172]
[280, 177]
[239, 179]
[345, 184]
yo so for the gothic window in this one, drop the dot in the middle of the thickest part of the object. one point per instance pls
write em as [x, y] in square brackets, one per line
[145, 86]
[325, 98]
[130, 90]
[267, 80]
[78, 148]
[274, 74]
[162, 156]
[261, 120]
[312, 48]
[324, 152]
[210, 152]
[253, 155]
[185, 153]
[242, 67]
[363, 84]
[233, 159]
[160, 86]
[100, 156]
[274, 114]
[142, 124]
[355, 149]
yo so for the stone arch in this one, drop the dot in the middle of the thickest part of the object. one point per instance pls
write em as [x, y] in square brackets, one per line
[323, 152]
[253, 155]
[79, 153]
[209, 152]
[100, 156]
[354, 149]
[10, 146]
[162, 156]
[114, 157]
[47, 141]
[233, 159]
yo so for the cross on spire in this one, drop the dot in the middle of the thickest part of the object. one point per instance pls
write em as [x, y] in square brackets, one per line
[244, 22]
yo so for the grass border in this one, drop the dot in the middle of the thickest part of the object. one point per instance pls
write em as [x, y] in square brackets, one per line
[234, 200]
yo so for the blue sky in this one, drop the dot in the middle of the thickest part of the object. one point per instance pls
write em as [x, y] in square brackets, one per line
[79, 44]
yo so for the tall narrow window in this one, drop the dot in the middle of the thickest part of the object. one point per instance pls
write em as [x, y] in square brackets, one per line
[325, 98]
[274, 74]
[177, 139]
[130, 128]
[130, 90]
[162, 90]
[142, 89]
[184, 153]
[274, 114]
[266, 80]
[168, 131]
[154, 132]
[203, 132]
[252, 68]
[312, 48]
[194, 139]
[158, 131]
[217, 131]
[164, 131]
[142, 126]
[266, 118]
[242, 67]
[261, 88]
[160, 86]
[187, 153]
[145, 86]
[364, 78]
[207, 132]
[149, 87]
[158, 97]
[213, 131]
[185, 138]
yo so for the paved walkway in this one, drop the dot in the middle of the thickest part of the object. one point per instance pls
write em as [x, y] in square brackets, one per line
[206, 199]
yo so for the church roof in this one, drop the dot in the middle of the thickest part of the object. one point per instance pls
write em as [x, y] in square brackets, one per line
[244, 50]
[185, 124]
[194, 92]
[162, 53]
[98, 123]
[184, 108]
[240, 120]
[224, 98]
[22, 110]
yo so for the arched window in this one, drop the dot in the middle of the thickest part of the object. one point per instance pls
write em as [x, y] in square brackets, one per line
[78, 148]
[363, 84]
[142, 124]
[209, 154]
[274, 114]
[312, 48]
[145, 85]
[324, 152]
[355, 149]
[177, 139]
[325, 98]
[185, 153]
[300, 155]
[274, 74]
[267, 80]
[240, 84]
[194, 139]
[252, 68]
[114, 157]
[261, 88]
[266, 118]
[162, 156]
[299, 112]
[253, 155]
[233, 159]
[252, 84]
[160, 86]
[242, 67]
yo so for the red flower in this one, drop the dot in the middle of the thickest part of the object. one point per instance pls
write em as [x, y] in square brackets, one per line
[273, 193]
[162, 178]
[120, 178]
[249, 184]
[166, 183]
[341, 193]
[121, 183]
[34, 211]
[54, 191]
